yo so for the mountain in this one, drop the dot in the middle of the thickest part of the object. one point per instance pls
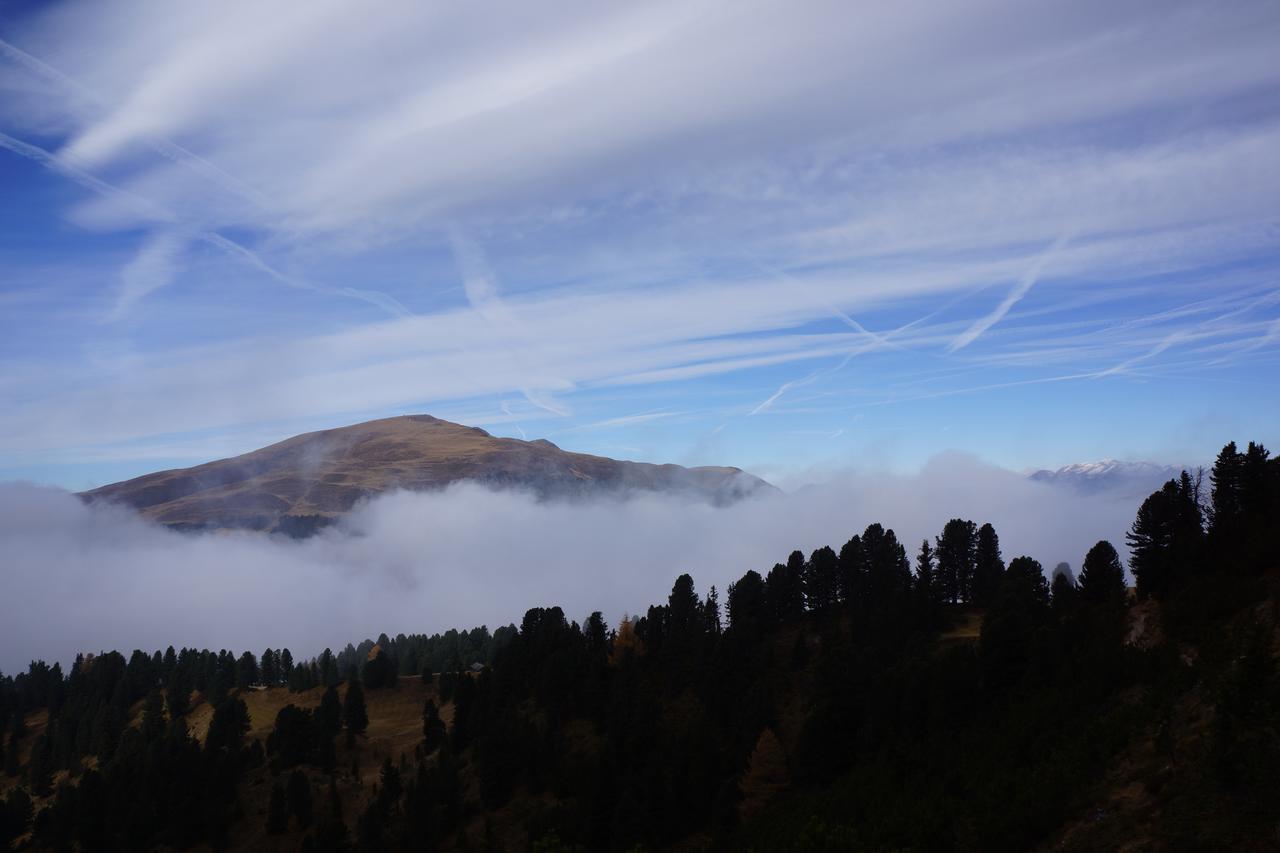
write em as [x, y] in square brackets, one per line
[305, 482]
[1128, 479]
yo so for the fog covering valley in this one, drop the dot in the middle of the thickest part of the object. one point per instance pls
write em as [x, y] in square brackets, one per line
[465, 556]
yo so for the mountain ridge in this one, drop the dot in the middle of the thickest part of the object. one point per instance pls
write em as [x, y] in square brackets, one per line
[300, 484]
[1132, 479]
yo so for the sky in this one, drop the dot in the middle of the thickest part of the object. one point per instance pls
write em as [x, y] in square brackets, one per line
[794, 238]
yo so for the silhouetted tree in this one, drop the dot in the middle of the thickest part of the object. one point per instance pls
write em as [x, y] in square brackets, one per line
[228, 727]
[1102, 576]
[747, 605]
[822, 579]
[784, 589]
[988, 566]
[853, 568]
[957, 551]
[433, 728]
[1063, 591]
[379, 670]
[329, 713]
[926, 585]
[354, 714]
[1011, 628]
[268, 668]
[1166, 537]
[711, 612]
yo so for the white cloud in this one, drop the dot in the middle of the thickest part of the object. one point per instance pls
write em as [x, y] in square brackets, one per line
[411, 562]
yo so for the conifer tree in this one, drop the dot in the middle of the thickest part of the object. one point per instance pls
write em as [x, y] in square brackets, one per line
[1102, 576]
[822, 579]
[331, 832]
[277, 811]
[299, 797]
[711, 612]
[246, 671]
[766, 774]
[329, 714]
[988, 566]
[267, 668]
[957, 556]
[926, 585]
[40, 767]
[1063, 591]
[354, 713]
[153, 722]
[852, 569]
[12, 766]
[1165, 539]
[433, 728]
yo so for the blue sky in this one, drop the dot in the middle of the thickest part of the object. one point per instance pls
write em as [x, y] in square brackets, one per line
[792, 239]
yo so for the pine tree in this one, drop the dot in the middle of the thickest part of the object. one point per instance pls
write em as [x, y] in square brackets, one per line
[822, 579]
[40, 767]
[711, 612]
[267, 665]
[331, 833]
[988, 566]
[329, 714]
[354, 713]
[433, 728]
[328, 668]
[1102, 576]
[852, 569]
[246, 671]
[926, 585]
[625, 645]
[153, 722]
[1063, 591]
[888, 571]
[277, 811]
[957, 556]
[12, 767]
[766, 774]
[286, 666]
[299, 797]
[1227, 478]
[1166, 537]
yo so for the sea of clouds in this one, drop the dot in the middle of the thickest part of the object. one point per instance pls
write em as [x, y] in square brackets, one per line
[89, 578]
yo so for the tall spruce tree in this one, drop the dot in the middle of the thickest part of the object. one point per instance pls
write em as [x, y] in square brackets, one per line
[957, 551]
[988, 566]
[1165, 541]
[354, 714]
[1102, 576]
[822, 579]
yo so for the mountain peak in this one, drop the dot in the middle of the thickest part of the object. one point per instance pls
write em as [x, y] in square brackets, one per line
[305, 482]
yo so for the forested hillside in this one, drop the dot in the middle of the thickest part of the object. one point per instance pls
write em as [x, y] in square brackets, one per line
[865, 697]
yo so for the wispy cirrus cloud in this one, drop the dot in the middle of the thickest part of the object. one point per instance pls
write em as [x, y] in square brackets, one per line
[457, 208]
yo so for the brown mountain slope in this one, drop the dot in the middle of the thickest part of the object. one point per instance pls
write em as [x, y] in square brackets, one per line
[306, 481]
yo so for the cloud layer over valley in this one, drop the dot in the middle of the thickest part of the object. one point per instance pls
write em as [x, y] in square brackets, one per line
[85, 578]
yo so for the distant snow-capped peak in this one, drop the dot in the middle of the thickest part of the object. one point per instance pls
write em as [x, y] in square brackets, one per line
[1108, 475]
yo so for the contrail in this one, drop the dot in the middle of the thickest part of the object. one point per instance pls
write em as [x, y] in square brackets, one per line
[169, 150]
[74, 173]
[1019, 290]
[150, 210]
